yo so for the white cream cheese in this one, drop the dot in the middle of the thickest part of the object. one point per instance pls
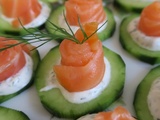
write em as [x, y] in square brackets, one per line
[153, 99]
[84, 96]
[147, 42]
[19, 80]
[39, 20]
[63, 24]
[42, 17]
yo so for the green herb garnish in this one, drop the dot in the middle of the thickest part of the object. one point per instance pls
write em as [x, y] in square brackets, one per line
[45, 37]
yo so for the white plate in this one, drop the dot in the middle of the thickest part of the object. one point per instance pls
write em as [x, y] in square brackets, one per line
[29, 102]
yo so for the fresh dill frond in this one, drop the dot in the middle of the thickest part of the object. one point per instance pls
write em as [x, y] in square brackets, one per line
[87, 37]
[34, 35]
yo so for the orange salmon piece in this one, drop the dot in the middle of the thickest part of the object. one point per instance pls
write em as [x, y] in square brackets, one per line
[82, 65]
[118, 113]
[27, 48]
[25, 10]
[149, 22]
[11, 60]
[87, 10]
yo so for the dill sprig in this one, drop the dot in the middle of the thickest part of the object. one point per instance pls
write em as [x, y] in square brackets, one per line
[34, 35]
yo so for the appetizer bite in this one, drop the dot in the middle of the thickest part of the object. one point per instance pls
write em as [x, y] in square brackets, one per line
[15, 13]
[119, 113]
[146, 101]
[84, 11]
[11, 114]
[139, 34]
[17, 65]
[80, 76]
[132, 5]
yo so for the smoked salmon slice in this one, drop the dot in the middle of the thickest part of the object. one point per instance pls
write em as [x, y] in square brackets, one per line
[12, 59]
[119, 113]
[82, 65]
[86, 10]
[149, 22]
[25, 10]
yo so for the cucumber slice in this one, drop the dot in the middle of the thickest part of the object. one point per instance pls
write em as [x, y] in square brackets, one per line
[54, 101]
[148, 56]
[36, 59]
[11, 114]
[131, 5]
[140, 99]
[106, 33]
[7, 28]
[54, 1]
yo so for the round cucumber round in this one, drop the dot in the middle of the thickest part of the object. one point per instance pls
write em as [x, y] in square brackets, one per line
[7, 28]
[36, 59]
[131, 5]
[54, 101]
[148, 56]
[142, 91]
[106, 33]
[54, 1]
[11, 114]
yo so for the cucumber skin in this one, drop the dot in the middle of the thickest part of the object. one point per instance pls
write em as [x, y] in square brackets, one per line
[130, 5]
[105, 34]
[7, 29]
[36, 59]
[140, 98]
[131, 47]
[11, 114]
[56, 104]
[111, 25]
